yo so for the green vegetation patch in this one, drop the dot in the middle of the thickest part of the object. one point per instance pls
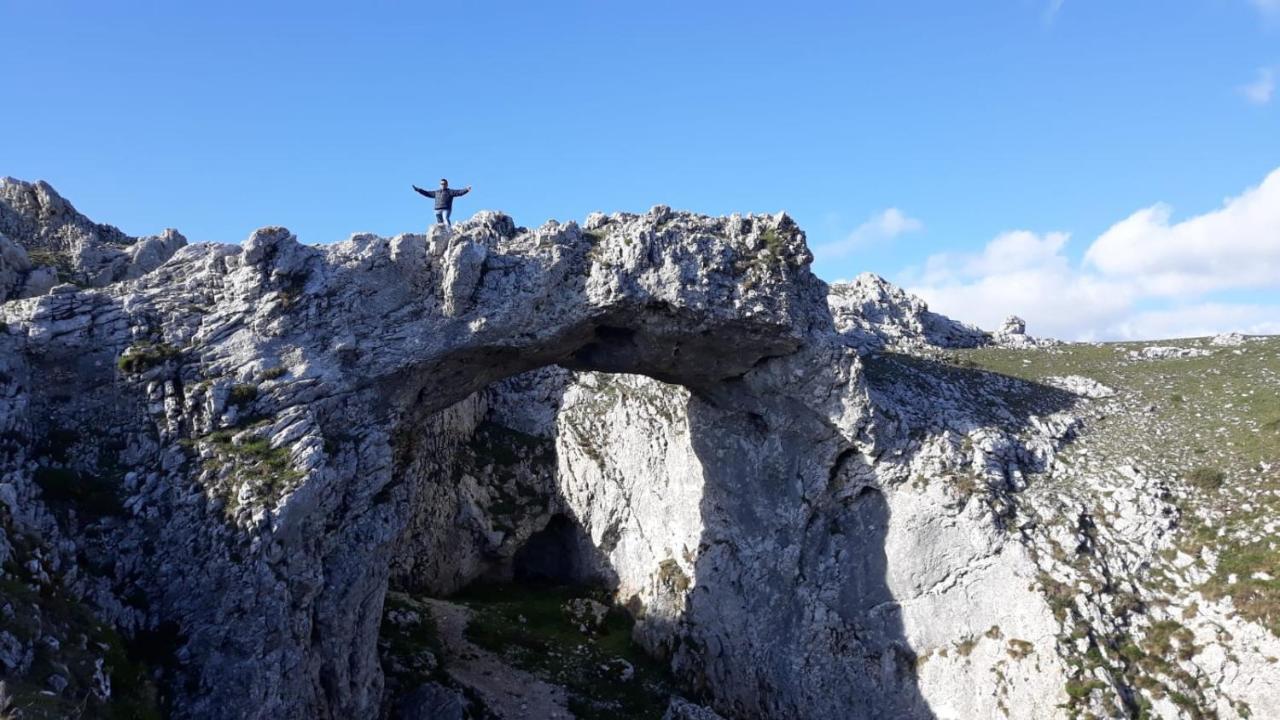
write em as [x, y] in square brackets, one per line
[60, 262]
[530, 628]
[1206, 478]
[242, 394]
[1211, 421]
[273, 373]
[409, 642]
[496, 449]
[250, 460]
[500, 445]
[145, 355]
[1256, 590]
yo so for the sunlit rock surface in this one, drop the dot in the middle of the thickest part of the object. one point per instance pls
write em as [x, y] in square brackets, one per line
[807, 510]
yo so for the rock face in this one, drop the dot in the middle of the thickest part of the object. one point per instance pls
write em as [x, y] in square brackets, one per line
[272, 403]
[873, 314]
[57, 244]
[231, 458]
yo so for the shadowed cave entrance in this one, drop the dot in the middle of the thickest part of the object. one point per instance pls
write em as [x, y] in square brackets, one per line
[552, 555]
[495, 539]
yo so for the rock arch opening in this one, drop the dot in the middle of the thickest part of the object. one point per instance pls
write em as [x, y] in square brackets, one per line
[653, 502]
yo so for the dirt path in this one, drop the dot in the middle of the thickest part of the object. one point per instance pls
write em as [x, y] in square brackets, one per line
[510, 693]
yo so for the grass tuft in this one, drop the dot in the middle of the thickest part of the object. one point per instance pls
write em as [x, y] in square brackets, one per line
[143, 356]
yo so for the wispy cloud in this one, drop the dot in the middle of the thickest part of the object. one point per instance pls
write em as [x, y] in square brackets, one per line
[1260, 91]
[1051, 11]
[1267, 7]
[881, 227]
[1143, 278]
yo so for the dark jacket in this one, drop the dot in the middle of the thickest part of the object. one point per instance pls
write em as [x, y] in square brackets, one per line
[444, 196]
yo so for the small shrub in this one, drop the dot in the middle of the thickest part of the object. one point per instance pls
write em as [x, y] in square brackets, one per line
[242, 394]
[292, 288]
[772, 243]
[274, 373]
[1207, 478]
[1080, 689]
[673, 576]
[1131, 652]
[144, 356]
[1020, 649]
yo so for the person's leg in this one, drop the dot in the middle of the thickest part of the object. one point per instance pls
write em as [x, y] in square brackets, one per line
[446, 218]
[439, 217]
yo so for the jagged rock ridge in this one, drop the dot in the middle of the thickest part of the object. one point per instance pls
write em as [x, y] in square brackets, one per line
[45, 241]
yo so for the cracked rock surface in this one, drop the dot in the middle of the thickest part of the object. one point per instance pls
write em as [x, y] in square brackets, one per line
[811, 502]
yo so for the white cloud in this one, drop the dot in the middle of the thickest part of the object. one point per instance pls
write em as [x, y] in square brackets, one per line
[1008, 253]
[1236, 246]
[883, 226]
[1259, 91]
[1200, 319]
[1026, 274]
[1145, 277]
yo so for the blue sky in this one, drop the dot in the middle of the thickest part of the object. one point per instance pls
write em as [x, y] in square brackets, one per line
[906, 137]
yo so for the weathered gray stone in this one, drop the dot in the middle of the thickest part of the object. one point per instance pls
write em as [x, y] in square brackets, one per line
[873, 315]
[799, 531]
[58, 242]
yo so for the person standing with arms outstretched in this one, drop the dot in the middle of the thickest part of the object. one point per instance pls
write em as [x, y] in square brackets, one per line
[444, 200]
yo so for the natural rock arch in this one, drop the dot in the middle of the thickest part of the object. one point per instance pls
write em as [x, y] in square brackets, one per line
[347, 347]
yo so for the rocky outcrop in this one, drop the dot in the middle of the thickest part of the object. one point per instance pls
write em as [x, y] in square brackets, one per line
[231, 459]
[1165, 352]
[873, 314]
[56, 244]
[18, 278]
[266, 400]
[1012, 333]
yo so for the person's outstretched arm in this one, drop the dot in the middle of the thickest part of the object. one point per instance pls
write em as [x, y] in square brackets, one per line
[428, 193]
[463, 191]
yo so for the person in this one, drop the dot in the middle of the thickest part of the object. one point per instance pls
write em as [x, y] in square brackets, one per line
[444, 199]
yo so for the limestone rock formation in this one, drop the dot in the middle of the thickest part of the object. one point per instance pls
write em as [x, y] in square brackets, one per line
[232, 458]
[873, 314]
[1166, 352]
[1012, 333]
[58, 244]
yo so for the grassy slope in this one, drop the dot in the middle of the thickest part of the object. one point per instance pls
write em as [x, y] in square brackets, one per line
[532, 630]
[1209, 425]
[529, 627]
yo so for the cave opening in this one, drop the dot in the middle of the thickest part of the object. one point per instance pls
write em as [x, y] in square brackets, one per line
[552, 555]
[507, 559]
